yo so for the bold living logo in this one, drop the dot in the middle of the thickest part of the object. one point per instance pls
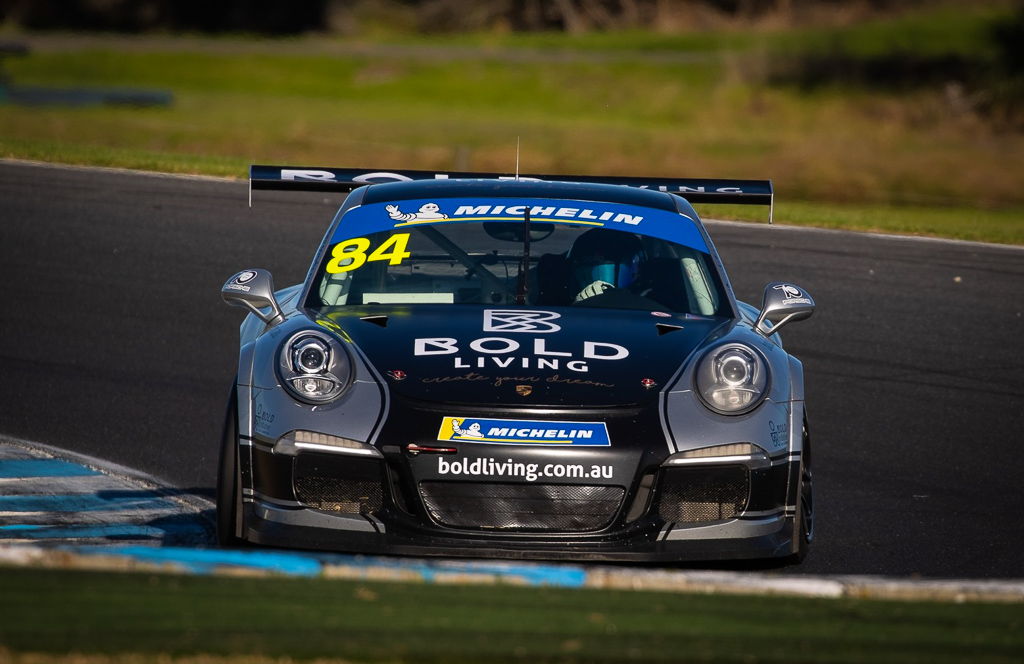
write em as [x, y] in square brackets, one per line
[519, 320]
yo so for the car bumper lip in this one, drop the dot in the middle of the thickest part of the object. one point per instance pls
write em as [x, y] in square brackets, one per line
[272, 525]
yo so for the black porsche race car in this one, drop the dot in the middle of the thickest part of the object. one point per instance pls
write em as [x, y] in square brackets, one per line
[529, 367]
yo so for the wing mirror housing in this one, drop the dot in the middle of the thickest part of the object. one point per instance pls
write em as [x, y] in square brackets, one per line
[254, 290]
[783, 303]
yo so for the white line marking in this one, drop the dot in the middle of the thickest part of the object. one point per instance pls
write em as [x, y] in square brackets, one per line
[752, 225]
[724, 222]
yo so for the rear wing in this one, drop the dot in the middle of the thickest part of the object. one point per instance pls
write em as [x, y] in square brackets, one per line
[694, 190]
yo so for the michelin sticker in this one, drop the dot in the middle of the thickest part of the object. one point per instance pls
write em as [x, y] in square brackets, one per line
[592, 215]
[364, 220]
[523, 432]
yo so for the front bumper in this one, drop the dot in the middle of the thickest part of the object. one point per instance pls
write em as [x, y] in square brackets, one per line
[270, 525]
[373, 510]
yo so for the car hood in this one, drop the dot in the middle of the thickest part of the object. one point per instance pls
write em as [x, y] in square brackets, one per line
[527, 357]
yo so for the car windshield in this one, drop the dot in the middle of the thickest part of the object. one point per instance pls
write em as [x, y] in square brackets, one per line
[480, 252]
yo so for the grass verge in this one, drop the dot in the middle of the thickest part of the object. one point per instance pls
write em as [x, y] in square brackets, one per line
[149, 616]
[974, 224]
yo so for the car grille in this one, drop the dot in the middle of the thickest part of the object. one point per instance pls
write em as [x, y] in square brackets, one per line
[526, 507]
[688, 495]
[340, 484]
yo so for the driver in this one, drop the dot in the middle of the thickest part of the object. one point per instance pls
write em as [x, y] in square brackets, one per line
[602, 260]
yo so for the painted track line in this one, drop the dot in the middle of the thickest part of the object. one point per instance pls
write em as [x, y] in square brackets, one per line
[272, 563]
[54, 498]
[711, 221]
[868, 234]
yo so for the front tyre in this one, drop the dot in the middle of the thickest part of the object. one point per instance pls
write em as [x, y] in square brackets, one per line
[229, 489]
[803, 521]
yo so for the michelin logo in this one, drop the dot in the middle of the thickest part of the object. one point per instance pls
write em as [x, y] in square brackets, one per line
[472, 430]
[548, 213]
[523, 432]
[427, 212]
[595, 216]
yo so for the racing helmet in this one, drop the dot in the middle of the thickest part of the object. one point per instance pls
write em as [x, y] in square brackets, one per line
[602, 254]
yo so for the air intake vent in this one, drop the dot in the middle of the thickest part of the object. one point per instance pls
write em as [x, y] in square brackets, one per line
[690, 495]
[340, 484]
[521, 507]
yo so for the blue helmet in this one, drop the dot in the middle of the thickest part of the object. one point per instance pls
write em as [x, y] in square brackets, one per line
[605, 255]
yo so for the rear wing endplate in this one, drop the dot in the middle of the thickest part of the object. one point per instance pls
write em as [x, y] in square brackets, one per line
[695, 190]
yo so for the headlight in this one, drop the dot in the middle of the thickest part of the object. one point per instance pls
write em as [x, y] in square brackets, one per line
[314, 367]
[310, 355]
[732, 379]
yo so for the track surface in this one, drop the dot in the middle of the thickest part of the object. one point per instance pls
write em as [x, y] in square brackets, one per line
[114, 343]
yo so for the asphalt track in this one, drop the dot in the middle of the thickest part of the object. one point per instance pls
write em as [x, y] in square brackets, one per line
[114, 343]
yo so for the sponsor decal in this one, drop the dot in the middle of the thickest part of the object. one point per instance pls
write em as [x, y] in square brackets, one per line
[656, 184]
[779, 433]
[352, 253]
[520, 320]
[307, 174]
[503, 353]
[471, 377]
[523, 432]
[550, 213]
[585, 214]
[262, 419]
[792, 294]
[531, 472]
[498, 381]
[242, 278]
[365, 220]
[524, 390]
[427, 212]
[506, 353]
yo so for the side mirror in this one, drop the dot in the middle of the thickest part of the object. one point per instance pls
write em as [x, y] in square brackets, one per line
[784, 302]
[254, 290]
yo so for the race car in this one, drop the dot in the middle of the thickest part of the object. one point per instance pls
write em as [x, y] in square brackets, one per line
[528, 367]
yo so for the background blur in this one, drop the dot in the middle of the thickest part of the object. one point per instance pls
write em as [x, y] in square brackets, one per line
[905, 115]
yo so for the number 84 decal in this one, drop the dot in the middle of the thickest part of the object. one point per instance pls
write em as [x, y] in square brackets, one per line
[351, 254]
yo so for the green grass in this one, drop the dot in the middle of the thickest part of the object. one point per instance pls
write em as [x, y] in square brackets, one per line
[951, 27]
[956, 28]
[111, 614]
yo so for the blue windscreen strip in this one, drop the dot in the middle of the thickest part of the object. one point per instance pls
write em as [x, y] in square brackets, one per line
[406, 214]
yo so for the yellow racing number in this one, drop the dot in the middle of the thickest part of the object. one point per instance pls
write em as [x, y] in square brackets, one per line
[351, 254]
